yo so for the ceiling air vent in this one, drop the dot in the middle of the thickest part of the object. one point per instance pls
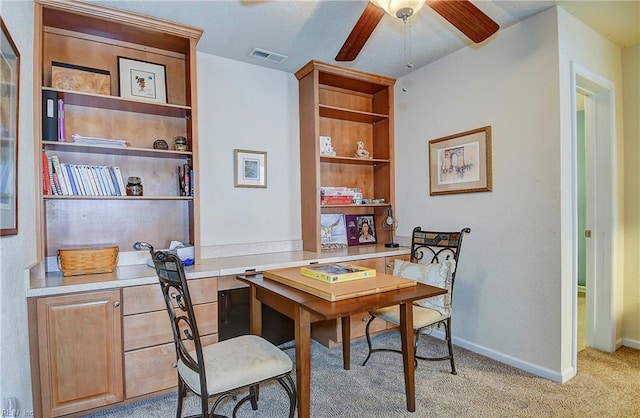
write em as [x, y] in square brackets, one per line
[263, 54]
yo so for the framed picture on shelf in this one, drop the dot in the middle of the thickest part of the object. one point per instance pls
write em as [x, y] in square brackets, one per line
[142, 80]
[250, 168]
[9, 89]
[77, 78]
[333, 233]
[361, 229]
[461, 163]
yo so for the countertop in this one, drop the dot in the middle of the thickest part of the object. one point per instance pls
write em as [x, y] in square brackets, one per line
[53, 283]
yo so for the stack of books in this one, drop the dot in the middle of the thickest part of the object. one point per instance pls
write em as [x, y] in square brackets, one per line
[80, 180]
[90, 140]
[337, 273]
[332, 195]
[185, 180]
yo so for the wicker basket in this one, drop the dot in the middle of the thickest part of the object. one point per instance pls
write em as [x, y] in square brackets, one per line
[87, 260]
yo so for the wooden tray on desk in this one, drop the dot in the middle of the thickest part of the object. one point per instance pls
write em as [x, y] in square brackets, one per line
[338, 291]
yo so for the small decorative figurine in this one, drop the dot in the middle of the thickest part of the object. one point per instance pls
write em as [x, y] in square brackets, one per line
[360, 151]
[160, 144]
[326, 148]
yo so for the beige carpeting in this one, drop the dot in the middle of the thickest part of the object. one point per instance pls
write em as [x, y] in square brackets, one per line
[607, 385]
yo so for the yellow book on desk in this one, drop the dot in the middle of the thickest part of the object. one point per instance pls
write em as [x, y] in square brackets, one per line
[336, 273]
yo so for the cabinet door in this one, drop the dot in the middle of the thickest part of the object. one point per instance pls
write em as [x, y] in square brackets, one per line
[80, 349]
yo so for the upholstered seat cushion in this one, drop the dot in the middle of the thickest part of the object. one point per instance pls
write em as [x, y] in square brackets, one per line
[434, 274]
[422, 317]
[237, 362]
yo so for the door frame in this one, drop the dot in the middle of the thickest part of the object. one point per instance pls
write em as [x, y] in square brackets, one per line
[602, 209]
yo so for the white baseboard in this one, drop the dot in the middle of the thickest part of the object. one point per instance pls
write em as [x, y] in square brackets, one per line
[628, 342]
[509, 360]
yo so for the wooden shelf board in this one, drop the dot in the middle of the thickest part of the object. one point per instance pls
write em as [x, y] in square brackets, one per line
[102, 101]
[56, 197]
[113, 150]
[368, 205]
[353, 160]
[334, 112]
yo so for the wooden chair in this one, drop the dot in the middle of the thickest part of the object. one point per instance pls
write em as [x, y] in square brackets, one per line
[434, 258]
[220, 369]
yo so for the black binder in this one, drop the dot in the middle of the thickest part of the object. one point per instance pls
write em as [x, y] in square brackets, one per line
[49, 115]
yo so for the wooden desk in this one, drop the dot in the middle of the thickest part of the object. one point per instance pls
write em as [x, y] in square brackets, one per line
[305, 308]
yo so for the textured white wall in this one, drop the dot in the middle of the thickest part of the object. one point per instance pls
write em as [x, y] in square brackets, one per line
[507, 300]
[255, 108]
[19, 251]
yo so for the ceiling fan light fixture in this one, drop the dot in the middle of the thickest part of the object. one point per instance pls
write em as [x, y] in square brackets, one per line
[399, 8]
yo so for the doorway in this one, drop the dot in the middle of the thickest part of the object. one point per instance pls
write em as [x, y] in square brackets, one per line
[581, 131]
[599, 217]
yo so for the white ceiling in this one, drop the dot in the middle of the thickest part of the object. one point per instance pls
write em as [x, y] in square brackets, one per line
[316, 29]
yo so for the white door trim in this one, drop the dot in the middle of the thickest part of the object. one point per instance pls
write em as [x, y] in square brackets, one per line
[602, 203]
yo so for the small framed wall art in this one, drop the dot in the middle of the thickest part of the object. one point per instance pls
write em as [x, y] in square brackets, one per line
[360, 229]
[250, 168]
[461, 163]
[142, 80]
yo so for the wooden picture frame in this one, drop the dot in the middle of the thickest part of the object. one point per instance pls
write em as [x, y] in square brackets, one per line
[77, 78]
[9, 95]
[250, 168]
[461, 163]
[141, 80]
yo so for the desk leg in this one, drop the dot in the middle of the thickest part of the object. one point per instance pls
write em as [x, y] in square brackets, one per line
[255, 327]
[303, 361]
[408, 354]
[255, 312]
[346, 342]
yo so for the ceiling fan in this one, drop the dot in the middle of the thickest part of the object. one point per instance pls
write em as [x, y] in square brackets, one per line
[462, 14]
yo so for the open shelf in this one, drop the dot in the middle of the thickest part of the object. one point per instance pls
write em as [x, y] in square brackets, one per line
[102, 101]
[334, 112]
[113, 150]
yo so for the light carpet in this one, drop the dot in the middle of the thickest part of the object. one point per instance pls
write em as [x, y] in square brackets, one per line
[607, 385]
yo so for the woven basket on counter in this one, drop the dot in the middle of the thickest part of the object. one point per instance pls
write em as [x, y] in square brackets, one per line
[87, 260]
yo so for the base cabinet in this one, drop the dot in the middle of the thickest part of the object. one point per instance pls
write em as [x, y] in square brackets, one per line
[149, 351]
[80, 351]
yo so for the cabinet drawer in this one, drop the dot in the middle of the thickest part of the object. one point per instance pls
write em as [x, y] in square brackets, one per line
[151, 369]
[154, 328]
[358, 324]
[148, 298]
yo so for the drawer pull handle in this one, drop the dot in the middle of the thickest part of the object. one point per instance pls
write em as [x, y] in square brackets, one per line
[116, 304]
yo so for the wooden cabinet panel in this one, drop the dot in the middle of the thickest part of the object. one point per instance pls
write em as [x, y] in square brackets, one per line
[148, 298]
[151, 369]
[80, 350]
[152, 328]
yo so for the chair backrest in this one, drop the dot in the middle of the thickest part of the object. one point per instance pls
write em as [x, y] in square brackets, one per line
[436, 247]
[175, 290]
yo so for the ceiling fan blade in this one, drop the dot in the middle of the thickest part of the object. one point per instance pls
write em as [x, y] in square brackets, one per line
[360, 33]
[470, 20]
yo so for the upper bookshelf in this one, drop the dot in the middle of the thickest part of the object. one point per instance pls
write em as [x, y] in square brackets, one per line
[96, 42]
[348, 106]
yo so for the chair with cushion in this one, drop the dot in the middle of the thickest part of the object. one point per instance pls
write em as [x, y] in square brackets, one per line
[221, 369]
[434, 257]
